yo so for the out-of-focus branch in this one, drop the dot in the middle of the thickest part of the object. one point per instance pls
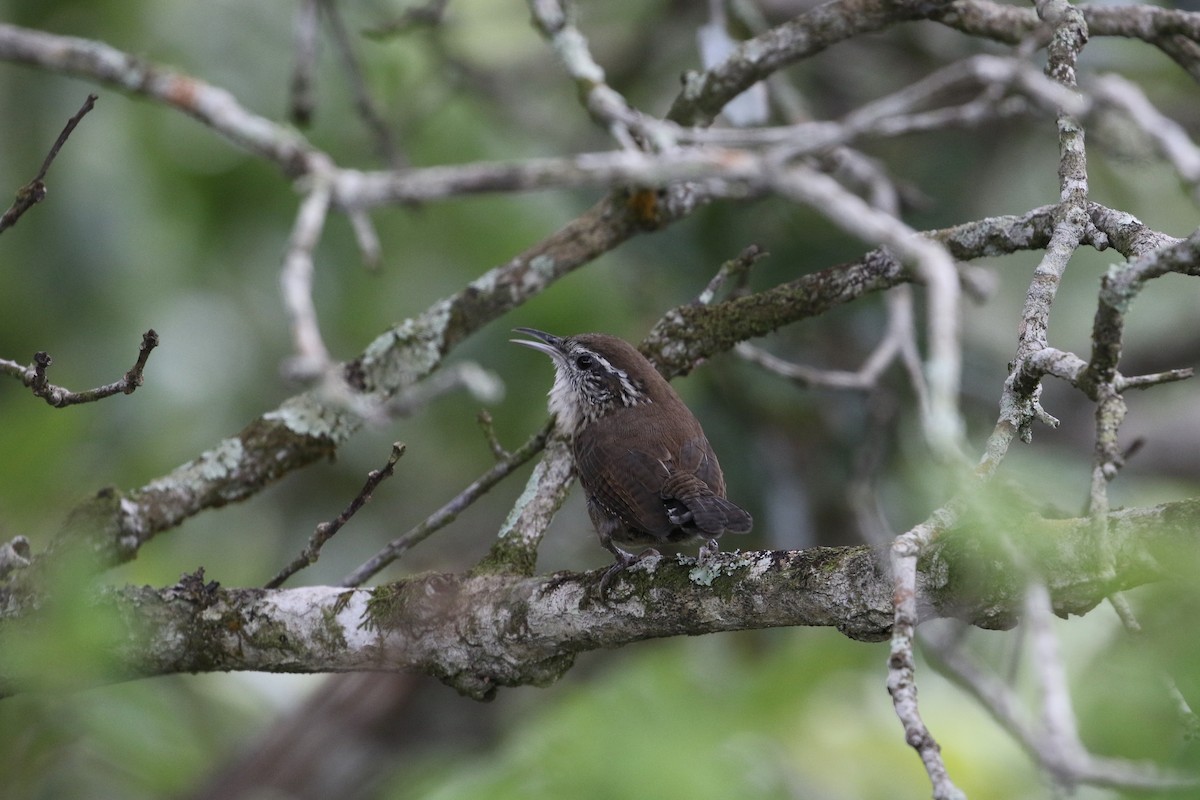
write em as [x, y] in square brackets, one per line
[604, 103]
[1072, 765]
[934, 268]
[213, 106]
[705, 94]
[34, 192]
[310, 357]
[34, 376]
[894, 343]
[1169, 137]
[364, 104]
[302, 90]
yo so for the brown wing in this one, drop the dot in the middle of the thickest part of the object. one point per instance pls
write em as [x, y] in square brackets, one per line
[630, 492]
[653, 491]
[696, 457]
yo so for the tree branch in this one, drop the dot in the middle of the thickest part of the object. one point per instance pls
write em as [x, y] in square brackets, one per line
[34, 377]
[34, 192]
[481, 631]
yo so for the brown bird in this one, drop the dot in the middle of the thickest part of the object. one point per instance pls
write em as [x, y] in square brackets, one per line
[648, 472]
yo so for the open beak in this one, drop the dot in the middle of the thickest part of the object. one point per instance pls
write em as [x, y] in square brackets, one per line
[549, 344]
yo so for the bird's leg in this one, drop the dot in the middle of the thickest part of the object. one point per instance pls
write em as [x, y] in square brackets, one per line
[625, 560]
[708, 550]
[607, 524]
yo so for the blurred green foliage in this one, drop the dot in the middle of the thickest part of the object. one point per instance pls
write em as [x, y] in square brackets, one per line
[152, 221]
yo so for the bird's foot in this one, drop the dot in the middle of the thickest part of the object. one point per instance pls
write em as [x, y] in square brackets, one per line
[708, 551]
[625, 560]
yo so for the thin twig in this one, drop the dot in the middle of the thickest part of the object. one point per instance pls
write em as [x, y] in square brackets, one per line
[628, 126]
[326, 530]
[34, 376]
[311, 357]
[366, 237]
[363, 101]
[898, 342]
[428, 15]
[448, 512]
[303, 101]
[735, 269]
[901, 679]
[941, 417]
[34, 192]
[1146, 381]
[489, 433]
[483, 385]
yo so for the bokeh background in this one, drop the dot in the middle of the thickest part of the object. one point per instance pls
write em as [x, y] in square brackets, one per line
[153, 221]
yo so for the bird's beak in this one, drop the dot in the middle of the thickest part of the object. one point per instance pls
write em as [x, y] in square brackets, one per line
[550, 344]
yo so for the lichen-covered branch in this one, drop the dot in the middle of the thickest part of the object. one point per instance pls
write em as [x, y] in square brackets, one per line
[482, 631]
[705, 94]
[310, 426]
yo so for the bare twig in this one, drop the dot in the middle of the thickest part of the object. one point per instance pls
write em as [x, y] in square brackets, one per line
[489, 432]
[484, 385]
[366, 237]
[34, 376]
[34, 192]
[303, 101]
[449, 512]
[898, 342]
[901, 679]
[605, 104]
[1020, 403]
[1154, 379]
[326, 530]
[736, 270]
[1169, 137]
[384, 138]
[310, 357]
[430, 14]
[942, 420]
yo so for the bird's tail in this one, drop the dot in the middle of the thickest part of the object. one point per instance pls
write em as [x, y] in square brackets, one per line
[691, 502]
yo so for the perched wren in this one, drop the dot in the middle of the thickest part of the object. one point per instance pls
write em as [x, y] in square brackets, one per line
[648, 472]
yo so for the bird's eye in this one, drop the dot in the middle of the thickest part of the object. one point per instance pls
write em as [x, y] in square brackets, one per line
[584, 361]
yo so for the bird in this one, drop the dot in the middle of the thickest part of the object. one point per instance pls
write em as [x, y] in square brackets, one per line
[647, 470]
